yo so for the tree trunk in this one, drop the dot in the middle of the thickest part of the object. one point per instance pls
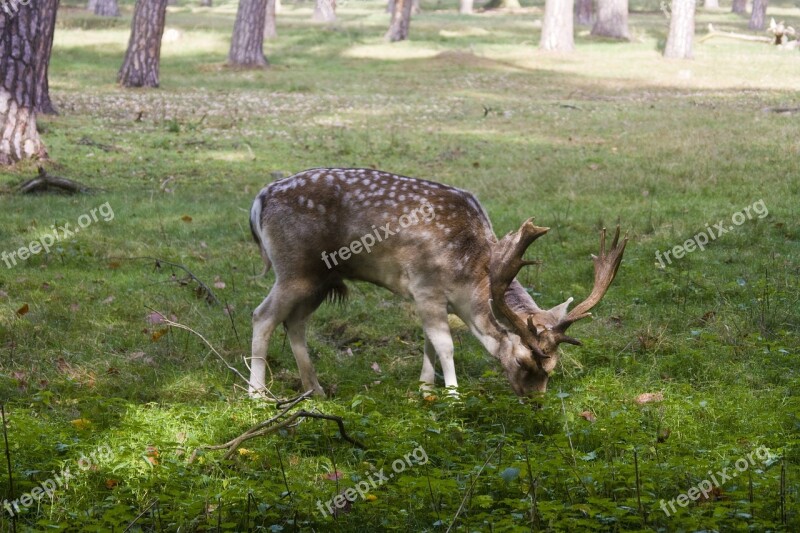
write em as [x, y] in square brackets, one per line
[583, 12]
[758, 18]
[247, 42]
[711, 4]
[612, 19]
[401, 21]
[502, 4]
[557, 30]
[20, 32]
[324, 11]
[47, 26]
[416, 7]
[90, 5]
[206, 3]
[465, 7]
[390, 6]
[106, 8]
[270, 26]
[739, 6]
[681, 30]
[141, 64]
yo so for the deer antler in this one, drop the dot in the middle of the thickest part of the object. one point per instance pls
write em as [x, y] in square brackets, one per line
[504, 265]
[605, 268]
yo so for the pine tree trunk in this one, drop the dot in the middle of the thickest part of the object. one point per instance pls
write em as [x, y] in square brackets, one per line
[106, 8]
[401, 21]
[270, 26]
[557, 29]
[711, 4]
[247, 41]
[739, 6]
[20, 32]
[90, 5]
[324, 11]
[583, 12]
[47, 26]
[758, 18]
[612, 19]
[681, 30]
[141, 65]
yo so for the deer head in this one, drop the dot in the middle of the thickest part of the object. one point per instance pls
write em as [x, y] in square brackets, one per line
[529, 362]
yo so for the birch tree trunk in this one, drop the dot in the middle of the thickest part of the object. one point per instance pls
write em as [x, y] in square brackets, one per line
[758, 18]
[584, 12]
[142, 60]
[47, 26]
[20, 32]
[681, 30]
[739, 6]
[711, 4]
[612, 19]
[401, 21]
[247, 41]
[270, 26]
[324, 11]
[557, 29]
[106, 8]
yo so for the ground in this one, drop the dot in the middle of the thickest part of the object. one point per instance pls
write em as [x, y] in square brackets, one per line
[92, 380]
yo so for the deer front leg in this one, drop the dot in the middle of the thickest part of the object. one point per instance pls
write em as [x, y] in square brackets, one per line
[437, 334]
[427, 377]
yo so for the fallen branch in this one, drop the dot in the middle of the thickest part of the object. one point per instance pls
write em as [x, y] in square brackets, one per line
[275, 424]
[210, 297]
[45, 182]
[730, 35]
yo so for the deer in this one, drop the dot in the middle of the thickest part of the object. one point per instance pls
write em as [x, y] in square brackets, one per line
[421, 240]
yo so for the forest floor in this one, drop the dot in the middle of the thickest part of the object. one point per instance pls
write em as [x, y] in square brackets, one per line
[94, 381]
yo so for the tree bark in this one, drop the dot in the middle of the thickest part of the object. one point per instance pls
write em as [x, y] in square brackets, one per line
[47, 26]
[612, 19]
[206, 3]
[141, 65]
[711, 4]
[681, 30]
[401, 21]
[247, 41]
[584, 12]
[324, 11]
[557, 29]
[739, 6]
[465, 7]
[758, 18]
[270, 26]
[20, 32]
[106, 8]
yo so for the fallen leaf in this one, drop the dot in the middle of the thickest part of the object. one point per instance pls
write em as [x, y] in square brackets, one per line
[111, 483]
[81, 423]
[113, 265]
[186, 218]
[74, 307]
[218, 283]
[23, 310]
[371, 497]
[589, 416]
[430, 397]
[158, 334]
[376, 367]
[108, 300]
[649, 397]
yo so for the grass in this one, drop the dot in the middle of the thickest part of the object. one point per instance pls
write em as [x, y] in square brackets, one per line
[612, 133]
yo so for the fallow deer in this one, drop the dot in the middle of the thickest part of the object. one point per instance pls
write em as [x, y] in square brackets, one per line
[448, 262]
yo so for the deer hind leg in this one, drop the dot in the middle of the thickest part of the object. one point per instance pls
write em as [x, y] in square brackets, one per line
[275, 309]
[296, 326]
